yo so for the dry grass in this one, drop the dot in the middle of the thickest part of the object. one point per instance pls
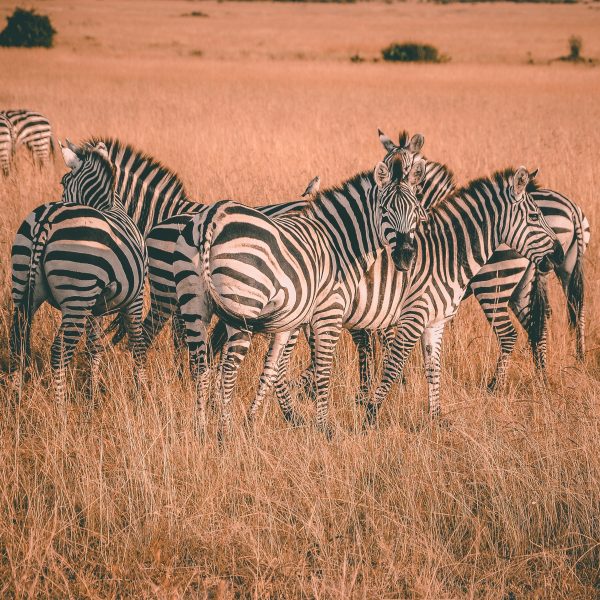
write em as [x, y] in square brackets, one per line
[126, 502]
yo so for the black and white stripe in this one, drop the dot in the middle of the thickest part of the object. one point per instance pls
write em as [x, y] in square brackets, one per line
[459, 237]
[32, 130]
[273, 275]
[87, 259]
[6, 144]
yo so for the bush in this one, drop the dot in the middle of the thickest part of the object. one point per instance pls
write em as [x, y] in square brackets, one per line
[412, 53]
[575, 44]
[25, 28]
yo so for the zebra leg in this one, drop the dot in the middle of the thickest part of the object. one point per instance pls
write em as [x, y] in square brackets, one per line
[431, 345]
[270, 371]
[235, 350]
[93, 348]
[20, 340]
[326, 334]
[306, 381]
[69, 333]
[364, 345]
[133, 321]
[178, 336]
[282, 387]
[406, 337]
[495, 310]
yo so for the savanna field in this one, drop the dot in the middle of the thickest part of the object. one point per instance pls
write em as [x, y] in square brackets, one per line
[249, 103]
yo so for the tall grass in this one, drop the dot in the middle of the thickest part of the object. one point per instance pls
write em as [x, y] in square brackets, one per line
[125, 502]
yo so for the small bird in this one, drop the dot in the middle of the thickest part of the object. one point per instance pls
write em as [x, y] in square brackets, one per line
[313, 187]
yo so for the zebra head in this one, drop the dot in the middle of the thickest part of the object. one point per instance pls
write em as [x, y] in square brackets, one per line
[399, 208]
[525, 229]
[407, 149]
[91, 179]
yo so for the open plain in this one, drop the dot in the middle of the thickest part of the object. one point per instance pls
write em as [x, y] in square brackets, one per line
[250, 102]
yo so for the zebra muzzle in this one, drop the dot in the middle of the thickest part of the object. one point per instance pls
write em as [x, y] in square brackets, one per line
[403, 253]
[555, 258]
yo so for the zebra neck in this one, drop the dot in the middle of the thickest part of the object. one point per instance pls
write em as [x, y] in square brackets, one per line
[347, 218]
[463, 232]
[438, 185]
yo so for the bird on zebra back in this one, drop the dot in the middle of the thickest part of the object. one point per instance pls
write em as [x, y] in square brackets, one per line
[32, 130]
[6, 144]
[88, 259]
[271, 275]
[458, 238]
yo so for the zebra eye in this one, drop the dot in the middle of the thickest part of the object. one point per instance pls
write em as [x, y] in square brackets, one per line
[534, 217]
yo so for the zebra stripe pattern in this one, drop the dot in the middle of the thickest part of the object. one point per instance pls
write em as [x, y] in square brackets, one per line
[459, 237]
[6, 144]
[33, 130]
[87, 258]
[272, 275]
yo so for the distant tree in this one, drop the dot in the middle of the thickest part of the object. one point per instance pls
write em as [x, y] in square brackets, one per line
[411, 52]
[575, 45]
[27, 29]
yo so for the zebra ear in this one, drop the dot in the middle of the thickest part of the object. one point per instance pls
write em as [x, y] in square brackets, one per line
[520, 181]
[101, 149]
[533, 174]
[71, 159]
[417, 173]
[416, 143]
[382, 175]
[386, 142]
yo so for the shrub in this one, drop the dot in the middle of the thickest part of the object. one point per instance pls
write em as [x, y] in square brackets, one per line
[575, 45]
[195, 13]
[411, 52]
[25, 28]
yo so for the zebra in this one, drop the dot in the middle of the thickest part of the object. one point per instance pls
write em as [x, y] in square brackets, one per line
[6, 144]
[88, 259]
[33, 130]
[274, 274]
[458, 238]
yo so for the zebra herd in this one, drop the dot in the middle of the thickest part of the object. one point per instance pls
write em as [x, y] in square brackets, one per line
[390, 251]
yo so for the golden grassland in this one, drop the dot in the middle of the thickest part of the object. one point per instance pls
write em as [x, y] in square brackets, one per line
[126, 502]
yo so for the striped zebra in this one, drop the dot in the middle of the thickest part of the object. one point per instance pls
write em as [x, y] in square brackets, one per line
[88, 259]
[33, 130]
[6, 144]
[459, 237]
[264, 274]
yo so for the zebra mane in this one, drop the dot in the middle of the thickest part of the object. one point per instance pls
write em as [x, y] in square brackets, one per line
[331, 195]
[500, 178]
[141, 163]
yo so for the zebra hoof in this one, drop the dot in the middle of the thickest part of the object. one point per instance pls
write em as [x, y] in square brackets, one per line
[361, 399]
[294, 419]
[491, 386]
[371, 416]
[327, 431]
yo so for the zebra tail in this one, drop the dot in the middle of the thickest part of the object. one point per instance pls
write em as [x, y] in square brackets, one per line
[118, 326]
[205, 246]
[37, 250]
[539, 309]
[575, 287]
[52, 146]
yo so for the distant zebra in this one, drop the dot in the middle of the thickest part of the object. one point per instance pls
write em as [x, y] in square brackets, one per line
[459, 237]
[273, 275]
[6, 144]
[87, 259]
[32, 130]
